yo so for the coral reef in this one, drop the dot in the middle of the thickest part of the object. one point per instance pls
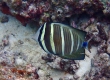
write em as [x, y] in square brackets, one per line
[92, 16]
[52, 10]
[100, 68]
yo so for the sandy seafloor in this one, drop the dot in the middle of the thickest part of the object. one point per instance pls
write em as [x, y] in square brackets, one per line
[32, 51]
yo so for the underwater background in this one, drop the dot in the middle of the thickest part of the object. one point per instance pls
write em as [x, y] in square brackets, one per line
[21, 57]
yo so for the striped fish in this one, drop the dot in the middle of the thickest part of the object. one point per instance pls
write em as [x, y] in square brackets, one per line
[62, 40]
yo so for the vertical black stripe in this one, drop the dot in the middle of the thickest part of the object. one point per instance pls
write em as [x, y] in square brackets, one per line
[67, 40]
[75, 42]
[40, 34]
[57, 39]
[47, 37]
[81, 42]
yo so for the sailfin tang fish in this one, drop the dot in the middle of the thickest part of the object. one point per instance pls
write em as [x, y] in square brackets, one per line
[62, 40]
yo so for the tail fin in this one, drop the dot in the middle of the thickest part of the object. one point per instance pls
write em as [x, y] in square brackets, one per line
[85, 45]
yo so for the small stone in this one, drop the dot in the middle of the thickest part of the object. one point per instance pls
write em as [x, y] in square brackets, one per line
[4, 19]
[19, 61]
[20, 42]
[60, 79]
[108, 45]
[5, 40]
[108, 49]
[31, 69]
[41, 72]
[12, 40]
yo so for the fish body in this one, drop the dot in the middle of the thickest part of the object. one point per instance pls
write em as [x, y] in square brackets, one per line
[62, 40]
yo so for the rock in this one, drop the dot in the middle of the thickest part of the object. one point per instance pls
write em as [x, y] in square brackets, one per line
[41, 73]
[4, 19]
[12, 40]
[19, 61]
[108, 49]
